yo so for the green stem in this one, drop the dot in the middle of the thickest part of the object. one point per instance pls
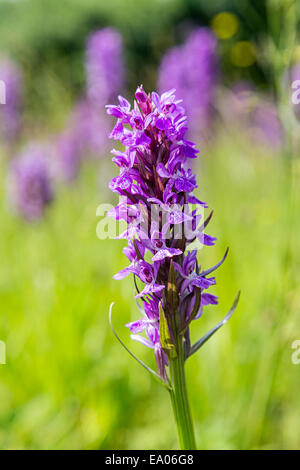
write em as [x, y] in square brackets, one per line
[179, 400]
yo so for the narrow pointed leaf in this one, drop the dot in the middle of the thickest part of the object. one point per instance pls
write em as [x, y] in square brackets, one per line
[210, 270]
[158, 181]
[194, 311]
[208, 335]
[187, 344]
[137, 249]
[206, 222]
[197, 304]
[152, 372]
[144, 211]
[134, 279]
[172, 295]
[165, 337]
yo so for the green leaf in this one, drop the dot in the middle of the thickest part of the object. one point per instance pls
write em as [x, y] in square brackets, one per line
[165, 337]
[197, 304]
[151, 371]
[194, 311]
[172, 295]
[206, 337]
[136, 249]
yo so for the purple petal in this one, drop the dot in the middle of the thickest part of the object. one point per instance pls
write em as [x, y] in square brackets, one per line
[202, 282]
[124, 103]
[114, 111]
[156, 99]
[124, 272]
[183, 184]
[206, 239]
[195, 200]
[150, 289]
[137, 326]
[209, 299]
[166, 253]
[161, 123]
[179, 269]
[162, 171]
[142, 340]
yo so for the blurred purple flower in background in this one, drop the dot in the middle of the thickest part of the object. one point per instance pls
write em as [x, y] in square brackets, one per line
[66, 156]
[266, 127]
[89, 127]
[86, 131]
[254, 114]
[29, 182]
[84, 136]
[104, 66]
[237, 102]
[192, 69]
[10, 121]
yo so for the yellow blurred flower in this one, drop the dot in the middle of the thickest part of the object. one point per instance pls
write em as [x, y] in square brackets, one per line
[243, 54]
[225, 25]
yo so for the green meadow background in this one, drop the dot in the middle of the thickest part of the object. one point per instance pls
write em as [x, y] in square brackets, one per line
[67, 383]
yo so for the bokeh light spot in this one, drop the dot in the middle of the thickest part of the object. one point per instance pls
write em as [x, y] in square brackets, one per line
[225, 25]
[243, 54]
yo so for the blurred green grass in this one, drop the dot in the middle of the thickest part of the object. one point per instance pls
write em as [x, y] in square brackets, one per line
[68, 384]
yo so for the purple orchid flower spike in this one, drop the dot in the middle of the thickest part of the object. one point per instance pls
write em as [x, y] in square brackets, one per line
[156, 187]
